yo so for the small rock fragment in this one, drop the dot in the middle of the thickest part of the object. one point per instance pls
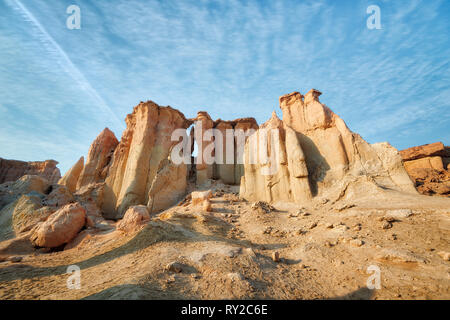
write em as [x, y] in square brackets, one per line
[356, 242]
[276, 256]
[15, 259]
[174, 267]
[235, 276]
[263, 207]
[386, 225]
[207, 206]
[250, 252]
[313, 225]
[267, 230]
[444, 255]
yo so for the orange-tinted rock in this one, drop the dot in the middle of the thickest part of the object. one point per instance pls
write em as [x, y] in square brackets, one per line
[335, 156]
[434, 163]
[199, 197]
[12, 170]
[431, 182]
[145, 143]
[427, 150]
[98, 159]
[70, 179]
[133, 219]
[428, 165]
[61, 227]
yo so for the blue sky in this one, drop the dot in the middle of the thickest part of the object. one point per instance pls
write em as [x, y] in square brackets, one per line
[59, 88]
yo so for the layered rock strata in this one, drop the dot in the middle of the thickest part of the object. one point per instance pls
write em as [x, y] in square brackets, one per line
[145, 143]
[98, 159]
[12, 170]
[70, 178]
[229, 164]
[335, 156]
[275, 165]
[429, 166]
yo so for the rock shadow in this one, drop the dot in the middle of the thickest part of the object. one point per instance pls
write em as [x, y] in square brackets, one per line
[317, 165]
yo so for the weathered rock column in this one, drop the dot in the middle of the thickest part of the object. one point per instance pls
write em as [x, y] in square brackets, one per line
[205, 145]
[98, 159]
[145, 143]
[281, 173]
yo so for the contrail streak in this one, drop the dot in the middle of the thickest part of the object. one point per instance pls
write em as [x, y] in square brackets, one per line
[65, 62]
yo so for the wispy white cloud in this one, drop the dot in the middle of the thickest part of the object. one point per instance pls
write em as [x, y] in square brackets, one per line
[63, 59]
[232, 58]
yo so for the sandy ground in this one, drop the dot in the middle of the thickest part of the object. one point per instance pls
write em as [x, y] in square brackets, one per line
[325, 251]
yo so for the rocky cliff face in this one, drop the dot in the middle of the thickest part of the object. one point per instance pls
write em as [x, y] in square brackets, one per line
[70, 178]
[319, 157]
[429, 167]
[144, 144]
[227, 136]
[335, 157]
[203, 123]
[168, 186]
[309, 157]
[284, 176]
[12, 170]
[98, 159]
[230, 168]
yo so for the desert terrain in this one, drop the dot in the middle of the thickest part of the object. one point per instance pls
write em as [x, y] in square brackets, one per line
[139, 226]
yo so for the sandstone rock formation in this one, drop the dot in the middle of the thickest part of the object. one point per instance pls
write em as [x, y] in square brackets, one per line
[98, 159]
[223, 168]
[433, 163]
[19, 204]
[28, 212]
[133, 218]
[392, 162]
[12, 170]
[10, 191]
[92, 192]
[213, 160]
[70, 179]
[231, 169]
[144, 144]
[319, 158]
[59, 196]
[428, 165]
[138, 170]
[286, 176]
[61, 227]
[335, 157]
[204, 169]
[436, 149]
[201, 199]
[168, 186]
